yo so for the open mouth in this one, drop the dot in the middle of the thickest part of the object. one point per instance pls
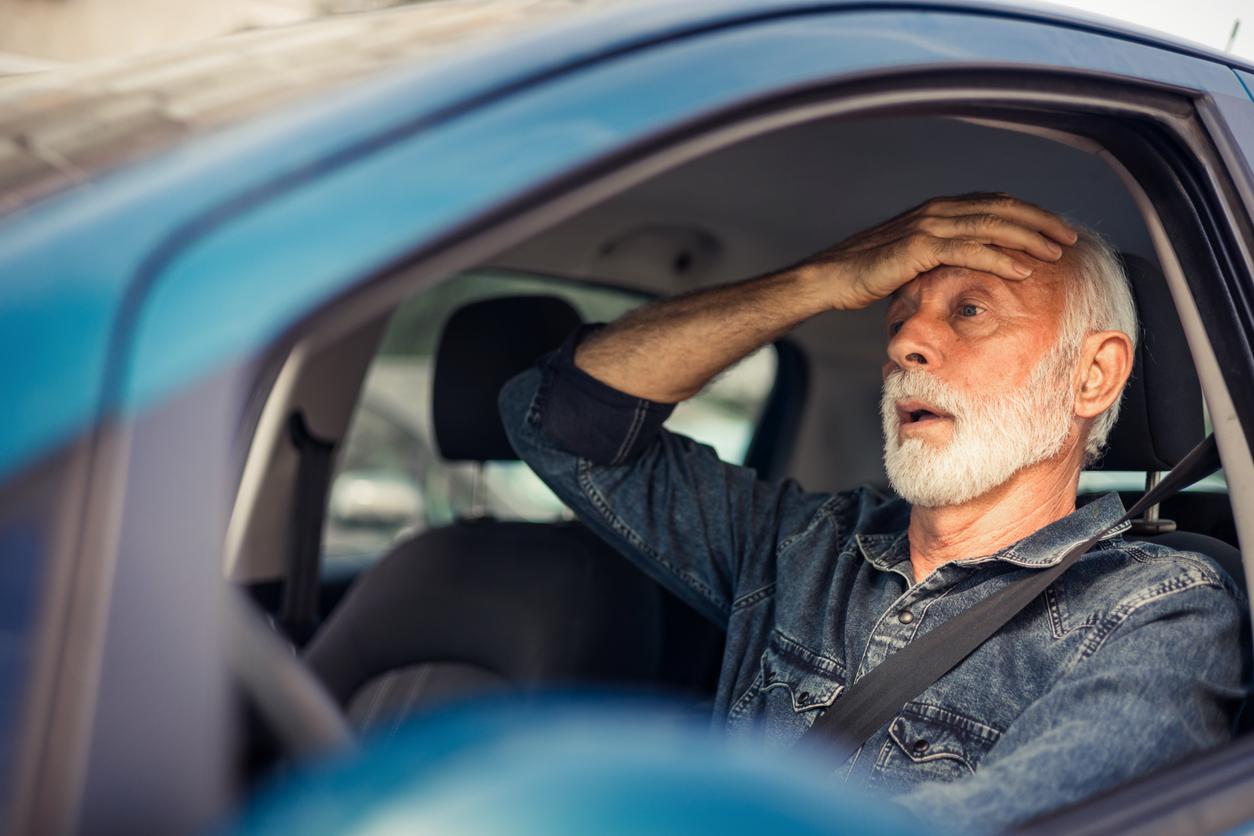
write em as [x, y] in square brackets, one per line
[917, 412]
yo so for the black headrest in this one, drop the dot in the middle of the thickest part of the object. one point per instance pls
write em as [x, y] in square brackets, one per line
[1161, 419]
[483, 345]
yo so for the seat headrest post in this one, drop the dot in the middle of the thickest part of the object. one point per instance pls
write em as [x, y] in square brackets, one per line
[1149, 523]
[478, 509]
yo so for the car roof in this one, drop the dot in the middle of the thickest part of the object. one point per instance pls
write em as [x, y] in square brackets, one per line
[113, 164]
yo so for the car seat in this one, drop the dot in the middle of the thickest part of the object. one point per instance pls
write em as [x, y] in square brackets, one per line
[486, 604]
[1162, 420]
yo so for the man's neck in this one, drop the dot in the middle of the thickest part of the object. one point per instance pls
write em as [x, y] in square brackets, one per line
[1032, 499]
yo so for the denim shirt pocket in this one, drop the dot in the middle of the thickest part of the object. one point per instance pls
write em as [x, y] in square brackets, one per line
[792, 687]
[926, 743]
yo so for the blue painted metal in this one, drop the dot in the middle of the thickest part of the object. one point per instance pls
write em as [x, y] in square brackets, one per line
[566, 766]
[227, 241]
[1237, 111]
[1247, 81]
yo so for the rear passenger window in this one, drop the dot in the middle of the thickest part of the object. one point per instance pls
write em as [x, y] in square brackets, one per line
[1201, 508]
[390, 481]
[1131, 481]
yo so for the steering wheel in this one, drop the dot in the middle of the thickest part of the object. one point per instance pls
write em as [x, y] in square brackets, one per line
[292, 702]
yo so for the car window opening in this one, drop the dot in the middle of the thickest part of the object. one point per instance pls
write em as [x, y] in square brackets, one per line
[390, 484]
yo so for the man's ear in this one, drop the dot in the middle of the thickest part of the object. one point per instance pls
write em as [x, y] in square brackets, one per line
[1105, 364]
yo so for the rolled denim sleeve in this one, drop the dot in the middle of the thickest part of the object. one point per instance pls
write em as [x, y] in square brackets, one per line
[701, 527]
[1164, 684]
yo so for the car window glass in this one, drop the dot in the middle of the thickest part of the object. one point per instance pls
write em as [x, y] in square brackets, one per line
[390, 482]
[1133, 481]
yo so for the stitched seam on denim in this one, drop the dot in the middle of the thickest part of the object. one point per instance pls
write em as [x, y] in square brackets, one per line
[1013, 559]
[584, 468]
[880, 559]
[1117, 617]
[827, 509]
[793, 695]
[784, 649]
[1179, 556]
[632, 431]
[893, 607]
[918, 622]
[930, 758]
[1011, 555]
[1202, 566]
[881, 762]
[923, 613]
[1054, 613]
[904, 748]
[754, 597]
[742, 704]
[930, 712]
[1053, 608]
[788, 646]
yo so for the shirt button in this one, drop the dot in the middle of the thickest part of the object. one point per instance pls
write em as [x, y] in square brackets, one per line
[905, 616]
[920, 746]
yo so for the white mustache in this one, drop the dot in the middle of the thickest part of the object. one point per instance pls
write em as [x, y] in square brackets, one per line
[904, 384]
[997, 433]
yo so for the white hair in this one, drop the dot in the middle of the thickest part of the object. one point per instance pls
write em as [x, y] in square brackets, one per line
[1098, 298]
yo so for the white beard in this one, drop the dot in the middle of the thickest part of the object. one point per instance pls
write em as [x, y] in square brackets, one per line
[993, 438]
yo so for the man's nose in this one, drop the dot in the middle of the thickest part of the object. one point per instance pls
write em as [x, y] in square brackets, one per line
[917, 343]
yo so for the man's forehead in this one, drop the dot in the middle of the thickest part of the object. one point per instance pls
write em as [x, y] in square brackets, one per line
[1042, 286]
[947, 278]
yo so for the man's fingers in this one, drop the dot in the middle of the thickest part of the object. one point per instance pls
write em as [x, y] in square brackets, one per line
[962, 252]
[991, 233]
[1005, 206]
[994, 229]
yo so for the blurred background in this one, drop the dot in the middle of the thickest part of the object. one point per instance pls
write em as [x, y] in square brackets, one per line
[35, 34]
[38, 33]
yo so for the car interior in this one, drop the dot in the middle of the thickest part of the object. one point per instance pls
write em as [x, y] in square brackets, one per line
[385, 525]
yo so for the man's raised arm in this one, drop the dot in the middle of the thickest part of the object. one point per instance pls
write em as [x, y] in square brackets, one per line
[666, 352]
[588, 419]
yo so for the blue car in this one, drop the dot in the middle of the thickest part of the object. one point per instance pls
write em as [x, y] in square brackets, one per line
[266, 561]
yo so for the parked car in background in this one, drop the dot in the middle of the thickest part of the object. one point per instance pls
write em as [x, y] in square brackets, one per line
[229, 270]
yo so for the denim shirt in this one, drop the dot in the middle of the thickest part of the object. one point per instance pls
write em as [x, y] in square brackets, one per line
[1133, 659]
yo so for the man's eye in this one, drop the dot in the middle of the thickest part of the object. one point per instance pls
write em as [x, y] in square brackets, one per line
[968, 310]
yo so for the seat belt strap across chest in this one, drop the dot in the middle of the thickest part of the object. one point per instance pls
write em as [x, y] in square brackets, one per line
[876, 698]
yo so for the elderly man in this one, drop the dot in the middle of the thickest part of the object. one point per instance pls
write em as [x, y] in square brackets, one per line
[1010, 338]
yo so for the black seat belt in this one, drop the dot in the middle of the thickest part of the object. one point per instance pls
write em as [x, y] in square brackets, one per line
[872, 701]
[298, 611]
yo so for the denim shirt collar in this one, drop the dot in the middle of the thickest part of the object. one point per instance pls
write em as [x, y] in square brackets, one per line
[1043, 548]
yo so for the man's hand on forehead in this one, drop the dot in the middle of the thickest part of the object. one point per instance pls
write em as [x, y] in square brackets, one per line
[992, 233]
